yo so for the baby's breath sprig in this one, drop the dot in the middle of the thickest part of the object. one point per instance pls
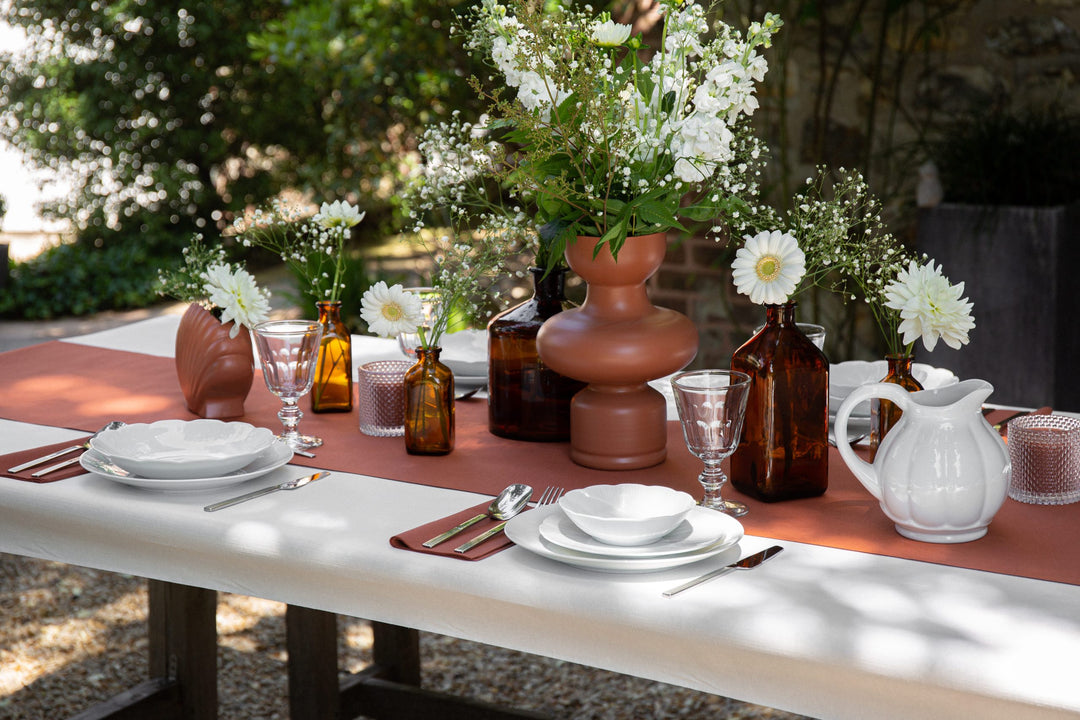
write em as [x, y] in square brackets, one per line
[849, 252]
[313, 246]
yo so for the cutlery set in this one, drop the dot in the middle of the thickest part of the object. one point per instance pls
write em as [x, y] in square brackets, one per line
[509, 503]
[60, 453]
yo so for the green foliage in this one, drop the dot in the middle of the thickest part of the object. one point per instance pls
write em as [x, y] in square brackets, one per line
[152, 108]
[72, 279]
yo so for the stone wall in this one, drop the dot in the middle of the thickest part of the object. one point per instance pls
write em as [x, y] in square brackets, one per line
[894, 80]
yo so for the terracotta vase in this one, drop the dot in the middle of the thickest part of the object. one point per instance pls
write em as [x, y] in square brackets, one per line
[527, 400]
[616, 342]
[215, 371]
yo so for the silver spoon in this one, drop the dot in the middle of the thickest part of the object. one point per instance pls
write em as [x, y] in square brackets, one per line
[114, 425]
[508, 503]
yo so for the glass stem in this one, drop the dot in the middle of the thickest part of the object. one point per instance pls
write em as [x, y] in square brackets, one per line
[290, 415]
[712, 479]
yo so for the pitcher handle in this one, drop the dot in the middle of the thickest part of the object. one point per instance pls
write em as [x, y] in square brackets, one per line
[864, 471]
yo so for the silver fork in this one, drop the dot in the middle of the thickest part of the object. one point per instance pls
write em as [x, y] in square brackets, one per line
[550, 496]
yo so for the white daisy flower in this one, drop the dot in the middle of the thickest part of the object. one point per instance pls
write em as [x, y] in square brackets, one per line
[610, 34]
[930, 307]
[768, 267]
[238, 296]
[389, 311]
[338, 214]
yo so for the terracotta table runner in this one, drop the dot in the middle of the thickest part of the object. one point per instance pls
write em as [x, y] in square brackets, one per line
[79, 387]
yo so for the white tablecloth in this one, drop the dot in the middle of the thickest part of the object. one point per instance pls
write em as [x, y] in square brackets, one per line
[824, 632]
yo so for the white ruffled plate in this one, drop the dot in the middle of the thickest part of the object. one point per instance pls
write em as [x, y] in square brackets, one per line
[183, 448]
[270, 459]
[846, 376]
[701, 528]
[524, 531]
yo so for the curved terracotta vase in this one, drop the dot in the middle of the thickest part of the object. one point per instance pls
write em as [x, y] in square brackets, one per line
[617, 341]
[215, 371]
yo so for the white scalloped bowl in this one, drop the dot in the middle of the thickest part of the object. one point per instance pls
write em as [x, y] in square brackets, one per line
[628, 514]
[846, 376]
[183, 449]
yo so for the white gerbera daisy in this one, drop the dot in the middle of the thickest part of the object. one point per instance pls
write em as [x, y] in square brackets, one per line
[338, 214]
[930, 307]
[610, 34]
[389, 311]
[768, 267]
[237, 294]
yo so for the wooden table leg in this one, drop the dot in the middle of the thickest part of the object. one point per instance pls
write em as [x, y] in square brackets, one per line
[311, 640]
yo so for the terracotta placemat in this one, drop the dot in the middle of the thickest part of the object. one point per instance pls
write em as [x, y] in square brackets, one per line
[83, 387]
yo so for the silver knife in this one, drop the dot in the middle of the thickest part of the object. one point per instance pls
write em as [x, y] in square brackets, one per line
[290, 485]
[748, 562]
[44, 459]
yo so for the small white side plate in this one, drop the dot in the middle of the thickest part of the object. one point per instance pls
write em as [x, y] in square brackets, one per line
[524, 531]
[270, 459]
[701, 528]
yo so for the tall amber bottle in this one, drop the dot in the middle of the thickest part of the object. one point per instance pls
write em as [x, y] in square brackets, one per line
[527, 400]
[429, 405]
[332, 389]
[784, 452]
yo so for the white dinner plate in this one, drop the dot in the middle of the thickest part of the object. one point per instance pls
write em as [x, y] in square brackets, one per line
[465, 383]
[524, 531]
[267, 461]
[701, 529]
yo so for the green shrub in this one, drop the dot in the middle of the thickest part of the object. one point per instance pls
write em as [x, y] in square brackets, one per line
[76, 279]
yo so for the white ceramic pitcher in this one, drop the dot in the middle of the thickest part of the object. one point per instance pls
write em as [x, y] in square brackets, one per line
[942, 471]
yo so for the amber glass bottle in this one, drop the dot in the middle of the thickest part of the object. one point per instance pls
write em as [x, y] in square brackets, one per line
[784, 452]
[884, 414]
[429, 405]
[527, 400]
[332, 389]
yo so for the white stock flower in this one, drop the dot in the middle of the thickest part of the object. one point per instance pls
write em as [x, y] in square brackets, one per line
[238, 296]
[929, 307]
[610, 34]
[768, 267]
[389, 311]
[338, 214]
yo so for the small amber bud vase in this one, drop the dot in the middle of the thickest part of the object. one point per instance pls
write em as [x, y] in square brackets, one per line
[884, 414]
[429, 405]
[332, 389]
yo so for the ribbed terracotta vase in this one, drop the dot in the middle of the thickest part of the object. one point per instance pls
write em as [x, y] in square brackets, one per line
[215, 371]
[616, 342]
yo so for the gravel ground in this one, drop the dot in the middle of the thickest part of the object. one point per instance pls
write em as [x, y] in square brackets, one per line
[71, 637]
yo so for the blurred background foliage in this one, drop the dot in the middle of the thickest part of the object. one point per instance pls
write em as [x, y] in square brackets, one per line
[175, 116]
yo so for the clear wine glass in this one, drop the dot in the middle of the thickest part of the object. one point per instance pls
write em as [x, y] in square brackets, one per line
[430, 298]
[288, 350]
[712, 406]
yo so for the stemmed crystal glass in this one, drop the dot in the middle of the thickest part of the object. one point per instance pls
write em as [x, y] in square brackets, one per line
[712, 406]
[288, 350]
[430, 298]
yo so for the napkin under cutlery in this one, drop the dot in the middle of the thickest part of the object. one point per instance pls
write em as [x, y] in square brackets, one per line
[22, 456]
[414, 539]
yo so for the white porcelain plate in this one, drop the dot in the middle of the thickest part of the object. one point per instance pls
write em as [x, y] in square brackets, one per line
[701, 529]
[846, 376]
[183, 448]
[267, 461]
[524, 531]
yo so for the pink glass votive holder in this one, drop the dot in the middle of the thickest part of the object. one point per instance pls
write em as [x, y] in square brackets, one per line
[1045, 454]
[382, 397]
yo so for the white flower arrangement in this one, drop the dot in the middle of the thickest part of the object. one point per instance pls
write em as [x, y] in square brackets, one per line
[768, 267]
[389, 311]
[312, 246]
[608, 144]
[929, 307]
[836, 240]
[227, 290]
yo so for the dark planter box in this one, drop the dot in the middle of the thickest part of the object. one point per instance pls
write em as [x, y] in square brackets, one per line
[1019, 266]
